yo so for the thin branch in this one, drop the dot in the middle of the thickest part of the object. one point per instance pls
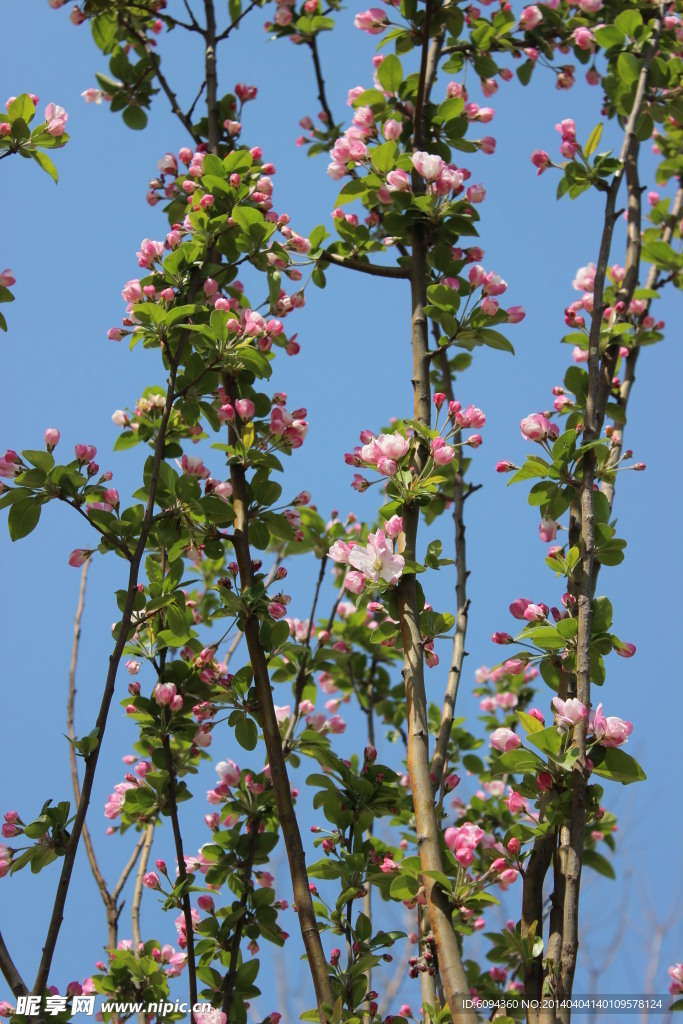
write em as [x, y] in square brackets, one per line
[234, 24]
[210, 40]
[443, 739]
[182, 870]
[302, 674]
[322, 96]
[163, 81]
[109, 904]
[10, 972]
[571, 853]
[247, 885]
[147, 840]
[271, 732]
[108, 693]
[374, 269]
[652, 282]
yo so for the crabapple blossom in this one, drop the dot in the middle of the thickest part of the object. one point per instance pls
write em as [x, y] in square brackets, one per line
[568, 712]
[377, 561]
[610, 732]
[504, 740]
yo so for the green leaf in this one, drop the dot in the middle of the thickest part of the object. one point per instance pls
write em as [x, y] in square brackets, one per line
[609, 36]
[530, 723]
[43, 160]
[404, 887]
[617, 765]
[22, 108]
[602, 615]
[593, 140]
[628, 68]
[548, 740]
[246, 733]
[628, 21]
[595, 860]
[390, 73]
[135, 118]
[519, 760]
[23, 518]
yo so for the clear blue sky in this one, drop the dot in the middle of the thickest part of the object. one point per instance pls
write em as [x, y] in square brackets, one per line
[72, 248]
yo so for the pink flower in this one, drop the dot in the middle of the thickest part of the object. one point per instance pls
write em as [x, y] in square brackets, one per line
[192, 465]
[340, 551]
[547, 530]
[394, 526]
[676, 974]
[535, 612]
[541, 160]
[429, 165]
[151, 880]
[537, 427]
[504, 740]
[56, 118]
[625, 650]
[7, 278]
[213, 1016]
[78, 557]
[519, 606]
[164, 693]
[51, 436]
[531, 17]
[377, 560]
[354, 582]
[610, 732]
[568, 712]
[585, 276]
[373, 21]
[245, 408]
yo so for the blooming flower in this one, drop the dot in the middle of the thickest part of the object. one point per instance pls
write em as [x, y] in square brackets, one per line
[504, 740]
[377, 560]
[610, 732]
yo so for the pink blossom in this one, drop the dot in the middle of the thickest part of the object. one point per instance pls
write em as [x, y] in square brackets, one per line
[339, 552]
[213, 1016]
[429, 165]
[394, 526]
[164, 693]
[531, 17]
[585, 277]
[504, 739]
[537, 427]
[568, 713]
[541, 160]
[377, 560]
[7, 278]
[519, 606]
[151, 880]
[78, 557]
[354, 582]
[625, 650]
[535, 612]
[51, 437]
[192, 465]
[547, 530]
[56, 118]
[373, 21]
[610, 732]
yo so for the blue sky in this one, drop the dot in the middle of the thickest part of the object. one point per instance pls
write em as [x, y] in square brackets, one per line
[72, 248]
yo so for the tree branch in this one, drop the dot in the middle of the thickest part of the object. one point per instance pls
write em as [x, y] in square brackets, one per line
[322, 96]
[374, 269]
[10, 972]
[571, 852]
[101, 723]
[271, 732]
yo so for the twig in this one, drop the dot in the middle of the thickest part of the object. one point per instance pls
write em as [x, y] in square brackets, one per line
[10, 972]
[229, 980]
[302, 674]
[441, 749]
[571, 854]
[147, 840]
[271, 732]
[213, 134]
[374, 269]
[322, 96]
[101, 723]
[182, 870]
